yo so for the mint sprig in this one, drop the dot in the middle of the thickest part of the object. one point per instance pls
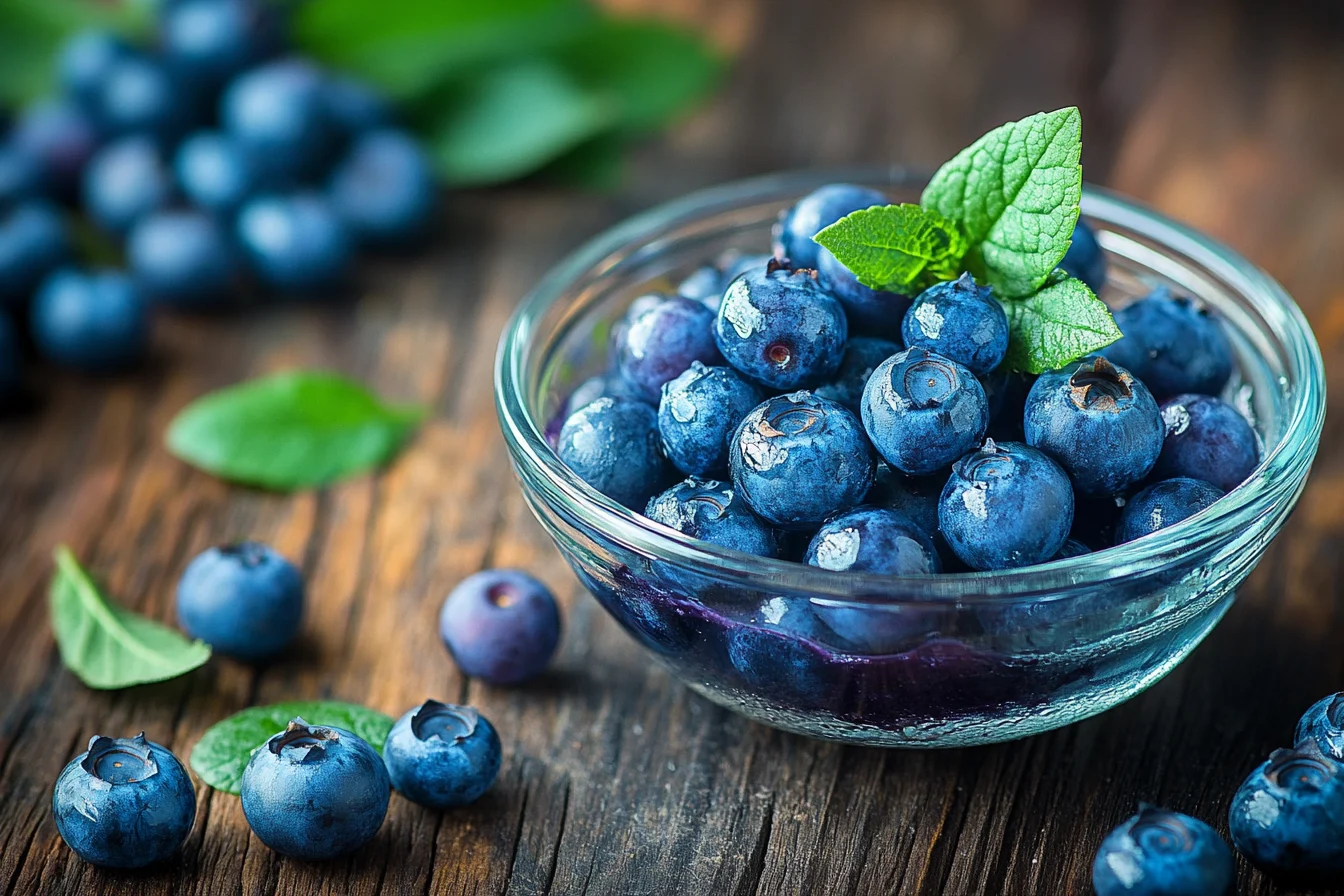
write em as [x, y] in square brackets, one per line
[1060, 322]
[895, 247]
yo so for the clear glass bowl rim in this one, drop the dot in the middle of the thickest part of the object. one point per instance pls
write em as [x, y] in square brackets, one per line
[1283, 467]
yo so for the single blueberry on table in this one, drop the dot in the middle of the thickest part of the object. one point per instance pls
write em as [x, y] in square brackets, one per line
[960, 321]
[92, 321]
[126, 802]
[1289, 813]
[869, 310]
[207, 42]
[500, 625]
[711, 511]
[33, 243]
[1206, 439]
[698, 414]
[797, 459]
[20, 177]
[1174, 345]
[279, 115]
[1085, 260]
[184, 259]
[126, 181]
[355, 106]
[141, 96]
[1006, 506]
[296, 242]
[914, 496]
[1163, 504]
[1100, 423]
[1158, 852]
[85, 61]
[1323, 723]
[244, 600]
[60, 138]
[315, 792]
[613, 445]
[873, 539]
[214, 173]
[384, 190]
[863, 355]
[662, 339]
[814, 212]
[442, 756]
[923, 411]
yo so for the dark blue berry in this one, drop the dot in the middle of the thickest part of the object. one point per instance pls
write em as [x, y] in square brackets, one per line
[442, 756]
[356, 107]
[279, 115]
[384, 190]
[814, 212]
[710, 511]
[1289, 813]
[214, 173]
[1162, 853]
[869, 310]
[33, 243]
[699, 412]
[1098, 421]
[1206, 439]
[1163, 504]
[863, 355]
[873, 539]
[315, 792]
[923, 411]
[1323, 723]
[797, 459]
[295, 242]
[704, 284]
[183, 259]
[60, 138]
[244, 600]
[141, 97]
[613, 445]
[661, 340]
[20, 177]
[125, 182]
[207, 42]
[604, 385]
[914, 496]
[500, 625]
[1085, 260]
[1006, 506]
[960, 321]
[85, 61]
[92, 321]
[1174, 345]
[126, 802]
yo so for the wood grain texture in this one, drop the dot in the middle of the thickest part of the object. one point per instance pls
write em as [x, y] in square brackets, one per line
[616, 779]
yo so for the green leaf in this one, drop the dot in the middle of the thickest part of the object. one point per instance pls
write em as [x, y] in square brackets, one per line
[596, 165]
[895, 247]
[289, 431]
[512, 120]
[107, 646]
[1015, 192]
[222, 753]
[1061, 322]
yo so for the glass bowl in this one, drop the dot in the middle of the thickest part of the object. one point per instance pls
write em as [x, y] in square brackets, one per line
[950, 660]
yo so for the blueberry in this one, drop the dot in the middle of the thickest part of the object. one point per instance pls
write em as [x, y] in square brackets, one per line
[126, 181]
[698, 414]
[92, 321]
[863, 355]
[214, 173]
[661, 339]
[11, 360]
[914, 496]
[60, 139]
[612, 444]
[33, 243]
[870, 310]
[797, 459]
[604, 385]
[1099, 422]
[775, 654]
[20, 177]
[1323, 723]
[1085, 260]
[355, 107]
[960, 321]
[923, 411]
[126, 802]
[710, 511]
[1289, 813]
[1175, 345]
[1163, 504]
[500, 625]
[814, 212]
[85, 61]
[779, 328]
[1158, 852]
[295, 242]
[384, 190]
[207, 42]
[279, 115]
[1206, 439]
[315, 792]
[184, 259]
[873, 539]
[704, 284]
[244, 600]
[1006, 506]
[141, 97]
[442, 756]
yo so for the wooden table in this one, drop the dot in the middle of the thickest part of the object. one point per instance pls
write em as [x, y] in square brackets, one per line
[616, 779]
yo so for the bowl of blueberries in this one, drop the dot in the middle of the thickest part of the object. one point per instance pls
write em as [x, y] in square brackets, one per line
[839, 511]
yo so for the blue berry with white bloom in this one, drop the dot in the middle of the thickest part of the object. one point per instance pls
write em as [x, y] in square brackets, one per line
[279, 115]
[1206, 438]
[92, 321]
[214, 173]
[711, 511]
[86, 60]
[126, 181]
[184, 259]
[244, 600]
[876, 540]
[442, 756]
[661, 339]
[960, 321]
[613, 445]
[815, 212]
[863, 355]
[384, 190]
[699, 412]
[1323, 723]
[210, 41]
[1288, 815]
[33, 243]
[1157, 852]
[60, 138]
[296, 242]
[1174, 345]
[140, 96]
[1164, 504]
[923, 411]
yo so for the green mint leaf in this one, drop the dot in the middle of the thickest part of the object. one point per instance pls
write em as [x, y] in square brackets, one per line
[1015, 192]
[222, 753]
[290, 431]
[107, 646]
[1061, 322]
[895, 247]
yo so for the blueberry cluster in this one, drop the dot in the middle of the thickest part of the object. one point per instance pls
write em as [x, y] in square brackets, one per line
[216, 161]
[804, 406]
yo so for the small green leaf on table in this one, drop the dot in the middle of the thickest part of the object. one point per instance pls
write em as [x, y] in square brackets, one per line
[896, 247]
[1061, 322]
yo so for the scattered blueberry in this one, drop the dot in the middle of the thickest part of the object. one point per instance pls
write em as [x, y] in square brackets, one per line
[869, 310]
[1006, 506]
[923, 411]
[126, 181]
[613, 445]
[1085, 260]
[184, 259]
[876, 540]
[1289, 813]
[315, 792]
[126, 802]
[797, 459]
[244, 600]
[960, 321]
[1206, 439]
[698, 414]
[914, 496]
[141, 97]
[863, 355]
[384, 190]
[1175, 345]
[817, 211]
[93, 321]
[355, 107]
[60, 138]
[1158, 852]
[84, 63]
[295, 242]
[442, 756]
[500, 625]
[33, 243]
[214, 173]
[1163, 504]
[279, 115]
[1099, 422]
[661, 340]
[710, 511]
[1323, 723]
[207, 42]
